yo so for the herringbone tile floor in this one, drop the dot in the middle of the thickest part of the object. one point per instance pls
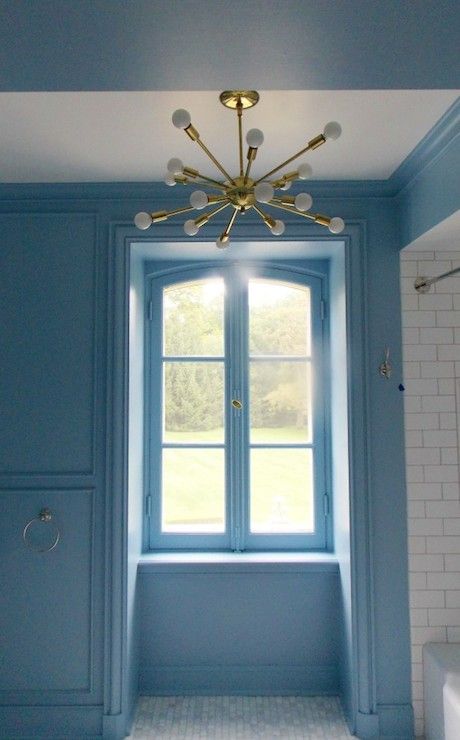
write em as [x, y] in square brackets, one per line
[239, 718]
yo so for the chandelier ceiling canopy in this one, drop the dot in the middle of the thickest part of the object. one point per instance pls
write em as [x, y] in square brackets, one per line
[241, 192]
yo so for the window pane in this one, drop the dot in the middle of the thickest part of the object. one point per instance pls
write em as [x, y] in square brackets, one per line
[193, 318]
[193, 496]
[281, 491]
[193, 402]
[279, 318]
[280, 401]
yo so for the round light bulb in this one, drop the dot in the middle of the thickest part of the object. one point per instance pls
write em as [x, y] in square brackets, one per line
[222, 244]
[286, 185]
[198, 199]
[143, 220]
[337, 225]
[264, 192]
[278, 228]
[303, 201]
[170, 179]
[181, 118]
[332, 130]
[190, 227]
[175, 166]
[255, 138]
[304, 171]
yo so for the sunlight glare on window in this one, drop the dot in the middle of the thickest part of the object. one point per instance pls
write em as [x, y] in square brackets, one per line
[193, 318]
[282, 491]
[279, 317]
[280, 402]
[193, 498]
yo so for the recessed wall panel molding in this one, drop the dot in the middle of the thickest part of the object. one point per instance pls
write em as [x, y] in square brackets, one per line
[48, 370]
[32, 481]
[51, 595]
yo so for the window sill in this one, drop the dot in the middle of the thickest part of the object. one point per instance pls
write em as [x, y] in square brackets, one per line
[244, 562]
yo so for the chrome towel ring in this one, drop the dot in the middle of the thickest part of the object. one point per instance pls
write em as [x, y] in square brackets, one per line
[45, 516]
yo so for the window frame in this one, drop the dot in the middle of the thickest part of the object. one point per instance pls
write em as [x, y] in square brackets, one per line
[236, 442]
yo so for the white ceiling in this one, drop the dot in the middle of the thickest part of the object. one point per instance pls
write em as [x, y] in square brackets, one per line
[128, 136]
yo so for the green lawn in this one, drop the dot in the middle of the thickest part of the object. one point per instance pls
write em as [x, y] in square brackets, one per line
[280, 482]
[265, 434]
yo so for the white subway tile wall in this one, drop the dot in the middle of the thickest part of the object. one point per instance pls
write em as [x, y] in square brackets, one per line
[431, 353]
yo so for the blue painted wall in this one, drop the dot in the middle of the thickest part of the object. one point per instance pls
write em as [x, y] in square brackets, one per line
[430, 192]
[52, 440]
[214, 45]
[68, 617]
[58, 298]
[65, 283]
[233, 631]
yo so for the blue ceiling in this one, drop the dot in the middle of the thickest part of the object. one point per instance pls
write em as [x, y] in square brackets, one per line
[215, 44]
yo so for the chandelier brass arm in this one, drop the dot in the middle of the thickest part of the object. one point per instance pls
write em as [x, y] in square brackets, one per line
[268, 220]
[205, 182]
[239, 112]
[252, 153]
[312, 144]
[164, 215]
[195, 175]
[285, 181]
[202, 220]
[242, 192]
[224, 237]
[195, 136]
[289, 209]
[318, 218]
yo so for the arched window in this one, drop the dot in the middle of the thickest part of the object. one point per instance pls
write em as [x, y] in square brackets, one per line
[237, 423]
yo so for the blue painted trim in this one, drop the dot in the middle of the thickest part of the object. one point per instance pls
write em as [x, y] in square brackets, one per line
[432, 195]
[367, 726]
[82, 476]
[116, 498]
[158, 193]
[115, 726]
[362, 616]
[360, 475]
[248, 563]
[37, 722]
[262, 680]
[237, 425]
[154, 371]
[395, 721]
[110, 191]
[426, 151]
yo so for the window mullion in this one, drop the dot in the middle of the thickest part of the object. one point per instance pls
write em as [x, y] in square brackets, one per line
[155, 391]
[237, 391]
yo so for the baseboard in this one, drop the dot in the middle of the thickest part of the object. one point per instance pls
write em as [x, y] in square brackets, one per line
[58, 723]
[115, 726]
[264, 680]
[396, 721]
[367, 726]
[391, 722]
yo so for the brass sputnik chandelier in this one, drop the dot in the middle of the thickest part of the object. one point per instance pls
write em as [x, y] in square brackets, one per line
[242, 192]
